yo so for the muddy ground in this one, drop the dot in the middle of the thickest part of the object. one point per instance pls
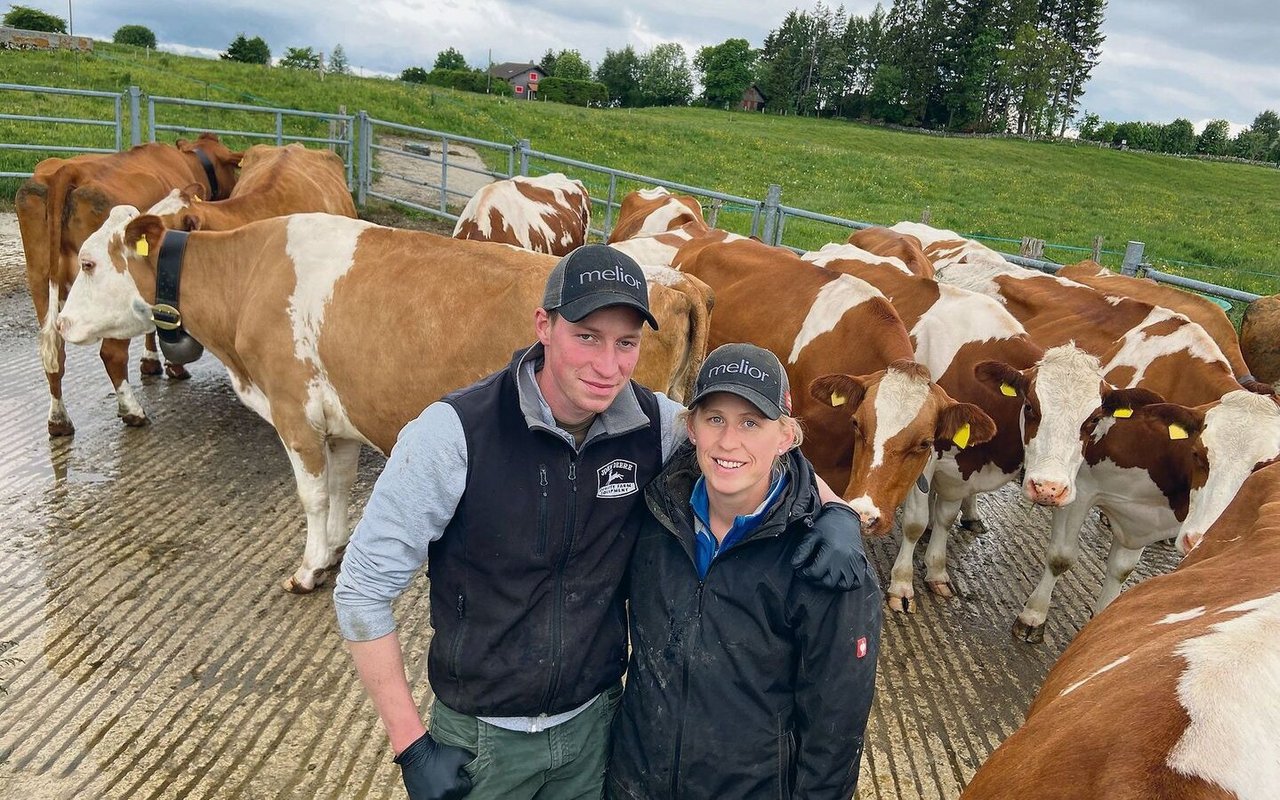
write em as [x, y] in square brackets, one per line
[155, 655]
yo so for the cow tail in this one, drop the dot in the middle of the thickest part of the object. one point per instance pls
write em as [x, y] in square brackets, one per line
[702, 299]
[61, 184]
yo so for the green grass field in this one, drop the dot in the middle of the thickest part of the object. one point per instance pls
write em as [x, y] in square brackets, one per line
[1218, 214]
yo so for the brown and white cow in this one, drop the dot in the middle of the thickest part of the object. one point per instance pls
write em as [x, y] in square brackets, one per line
[952, 330]
[1171, 691]
[1198, 309]
[650, 211]
[66, 201]
[1260, 338]
[546, 214]
[338, 331]
[274, 181]
[872, 422]
[889, 243]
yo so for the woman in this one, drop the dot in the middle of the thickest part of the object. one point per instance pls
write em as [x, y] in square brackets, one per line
[745, 681]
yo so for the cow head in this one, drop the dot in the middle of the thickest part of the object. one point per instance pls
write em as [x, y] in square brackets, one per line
[899, 418]
[1065, 403]
[174, 208]
[1218, 445]
[104, 302]
[225, 162]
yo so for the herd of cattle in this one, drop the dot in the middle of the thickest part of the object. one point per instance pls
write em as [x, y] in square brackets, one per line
[927, 370]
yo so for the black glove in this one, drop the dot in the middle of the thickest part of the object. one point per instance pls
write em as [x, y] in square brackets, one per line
[831, 553]
[433, 771]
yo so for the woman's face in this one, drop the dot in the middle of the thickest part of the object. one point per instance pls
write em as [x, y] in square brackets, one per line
[736, 447]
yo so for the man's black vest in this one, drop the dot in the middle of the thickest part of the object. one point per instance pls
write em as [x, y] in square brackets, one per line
[526, 581]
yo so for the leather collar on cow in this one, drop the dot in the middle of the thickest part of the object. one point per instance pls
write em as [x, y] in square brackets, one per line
[177, 345]
[209, 172]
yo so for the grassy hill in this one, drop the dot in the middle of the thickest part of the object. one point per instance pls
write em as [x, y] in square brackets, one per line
[1218, 214]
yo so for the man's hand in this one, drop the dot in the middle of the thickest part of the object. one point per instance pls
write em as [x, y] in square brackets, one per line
[831, 553]
[433, 771]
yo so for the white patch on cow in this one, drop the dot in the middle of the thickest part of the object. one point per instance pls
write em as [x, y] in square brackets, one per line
[1114, 300]
[832, 302]
[1247, 605]
[1068, 388]
[322, 248]
[253, 397]
[1240, 431]
[664, 218]
[958, 318]
[49, 333]
[1181, 616]
[833, 251]
[521, 215]
[865, 508]
[1139, 349]
[899, 399]
[654, 193]
[127, 404]
[662, 275]
[650, 251]
[325, 410]
[104, 303]
[1229, 692]
[948, 248]
[171, 203]
[1093, 675]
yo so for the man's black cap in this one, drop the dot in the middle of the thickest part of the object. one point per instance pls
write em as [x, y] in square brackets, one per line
[593, 277]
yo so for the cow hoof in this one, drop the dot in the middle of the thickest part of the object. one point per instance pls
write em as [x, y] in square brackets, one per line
[62, 427]
[974, 525]
[176, 371]
[1032, 634]
[941, 588]
[901, 605]
[150, 366]
[294, 586]
[135, 420]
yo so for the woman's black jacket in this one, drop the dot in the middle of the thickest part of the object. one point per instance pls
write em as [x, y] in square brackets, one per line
[751, 683]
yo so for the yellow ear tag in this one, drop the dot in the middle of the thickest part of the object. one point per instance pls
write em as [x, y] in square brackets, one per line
[1176, 431]
[837, 399]
[1122, 413]
[962, 436]
[195, 198]
[1008, 391]
[142, 247]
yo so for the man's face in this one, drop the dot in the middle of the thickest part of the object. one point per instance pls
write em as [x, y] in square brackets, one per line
[587, 363]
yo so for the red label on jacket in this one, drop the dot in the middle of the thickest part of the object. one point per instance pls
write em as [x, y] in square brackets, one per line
[862, 646]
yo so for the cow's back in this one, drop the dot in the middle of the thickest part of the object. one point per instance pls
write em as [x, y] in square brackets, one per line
[293, 179]
[1260, 338]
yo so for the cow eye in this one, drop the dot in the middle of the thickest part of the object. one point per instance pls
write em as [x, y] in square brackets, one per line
[1030, 413]
[87, 266]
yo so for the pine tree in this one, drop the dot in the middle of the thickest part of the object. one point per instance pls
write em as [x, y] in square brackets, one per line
[338, 61]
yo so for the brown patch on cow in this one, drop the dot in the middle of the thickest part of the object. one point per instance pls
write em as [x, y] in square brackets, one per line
[1163, 327]
[635, 211]
[1121, 376]
[890, 243]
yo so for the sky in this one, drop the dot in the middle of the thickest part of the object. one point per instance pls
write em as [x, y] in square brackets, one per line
[1162, 59]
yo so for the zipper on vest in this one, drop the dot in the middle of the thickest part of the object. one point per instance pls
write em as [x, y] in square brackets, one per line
[557, 617]
[456, 653]
[684, 700]
[540, 547]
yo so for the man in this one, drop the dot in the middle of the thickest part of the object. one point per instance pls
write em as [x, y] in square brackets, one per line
[516, 491]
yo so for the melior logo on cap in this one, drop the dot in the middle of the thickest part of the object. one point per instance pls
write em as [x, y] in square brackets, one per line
[742, 367]
[615, 274]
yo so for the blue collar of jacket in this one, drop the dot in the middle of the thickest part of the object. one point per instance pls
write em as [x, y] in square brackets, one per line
[707, 546]
[624, 415]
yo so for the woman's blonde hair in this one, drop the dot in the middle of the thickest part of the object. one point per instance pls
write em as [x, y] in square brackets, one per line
[788, 421]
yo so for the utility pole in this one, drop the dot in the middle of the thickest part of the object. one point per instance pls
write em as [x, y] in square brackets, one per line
[71, 25]
[488, 75]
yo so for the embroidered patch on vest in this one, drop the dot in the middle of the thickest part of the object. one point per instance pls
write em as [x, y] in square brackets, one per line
[617, 479]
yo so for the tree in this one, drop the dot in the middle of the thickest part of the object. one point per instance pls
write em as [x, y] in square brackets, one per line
[450, 59]
[548, 63]
[1214, 138]
[414, 75]
[250, 51]
[300, 58]
[338, 61]
[1268, 124]
[570, 65]
[32, 19]
[136, 35]
[665, 79]
[1179, 137]
[619, 71]
[725, 71]
[1034, 67]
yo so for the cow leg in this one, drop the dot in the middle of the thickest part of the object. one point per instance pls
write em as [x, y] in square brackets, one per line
[344, 460]
[943, 515]
[1121, 561]
[53, 352]
[969, 519]
[1062, 554]
[915, 514]
[115, 357]
[150, 363]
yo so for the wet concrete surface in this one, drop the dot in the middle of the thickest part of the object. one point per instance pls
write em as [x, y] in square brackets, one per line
[157, 657]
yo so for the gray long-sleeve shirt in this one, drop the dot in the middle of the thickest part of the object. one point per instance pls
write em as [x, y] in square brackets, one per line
[416, 495]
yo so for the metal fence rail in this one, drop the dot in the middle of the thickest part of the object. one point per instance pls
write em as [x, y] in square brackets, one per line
[116, 121]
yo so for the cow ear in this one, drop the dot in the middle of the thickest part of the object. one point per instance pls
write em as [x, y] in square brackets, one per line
[190, 222]
[1121, 402]
[838, 391]
[1182, 422]
[964, 425]
[234, 159]
[194, 192]
[1001, 377]
[142, 235]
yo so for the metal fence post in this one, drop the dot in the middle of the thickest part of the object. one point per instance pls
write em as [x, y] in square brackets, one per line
[135, 116]
[362, 176]
[1132, 259]
[524, 148]
[279, 129]
[771, 202]
[151, 120]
